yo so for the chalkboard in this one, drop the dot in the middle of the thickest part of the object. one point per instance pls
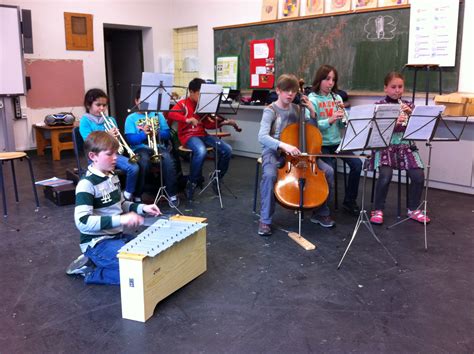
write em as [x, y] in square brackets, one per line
[363, 47]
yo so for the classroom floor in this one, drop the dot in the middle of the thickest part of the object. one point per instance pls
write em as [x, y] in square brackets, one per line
[258, 294]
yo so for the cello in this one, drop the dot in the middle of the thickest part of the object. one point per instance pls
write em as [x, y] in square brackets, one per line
[300, 183]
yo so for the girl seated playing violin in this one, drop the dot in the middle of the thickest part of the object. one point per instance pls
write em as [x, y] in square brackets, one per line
[275, 118]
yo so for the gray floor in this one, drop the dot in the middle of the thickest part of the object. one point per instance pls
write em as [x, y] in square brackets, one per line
[258, 295]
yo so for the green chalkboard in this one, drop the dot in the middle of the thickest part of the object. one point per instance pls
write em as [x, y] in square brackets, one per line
[349, 42]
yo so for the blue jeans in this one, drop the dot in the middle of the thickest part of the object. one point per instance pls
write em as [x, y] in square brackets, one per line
[170, 179]
[269, 177]
[104, 256]
[198, 146]
[355, 167]
[131, 170]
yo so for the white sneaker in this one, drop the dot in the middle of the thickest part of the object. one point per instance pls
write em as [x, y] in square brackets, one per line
[79, 266]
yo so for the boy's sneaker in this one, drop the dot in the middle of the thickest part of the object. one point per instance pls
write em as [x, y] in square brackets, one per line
[264, 230]
[351, 207]
[324, 221]
[80, 266]
[418, 215]
[174, 202]
[376, 217]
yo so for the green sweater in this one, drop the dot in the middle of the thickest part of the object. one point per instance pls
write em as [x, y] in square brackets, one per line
[324, 106]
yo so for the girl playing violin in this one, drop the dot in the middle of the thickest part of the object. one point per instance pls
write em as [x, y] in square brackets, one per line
[401, 154]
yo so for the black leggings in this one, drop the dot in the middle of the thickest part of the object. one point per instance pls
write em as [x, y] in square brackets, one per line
[417, 179]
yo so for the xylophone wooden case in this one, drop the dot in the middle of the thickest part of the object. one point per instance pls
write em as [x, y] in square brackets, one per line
[145, 281]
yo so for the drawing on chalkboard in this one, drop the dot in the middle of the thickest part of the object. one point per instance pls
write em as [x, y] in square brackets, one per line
[380, 28]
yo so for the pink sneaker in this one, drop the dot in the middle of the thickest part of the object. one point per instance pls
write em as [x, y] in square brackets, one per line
[376, 217]
[419, 216]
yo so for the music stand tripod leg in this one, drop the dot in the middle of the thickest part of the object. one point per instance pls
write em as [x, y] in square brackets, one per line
[364, 219]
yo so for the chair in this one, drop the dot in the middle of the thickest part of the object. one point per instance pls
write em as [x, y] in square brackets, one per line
[12, 156]
[78, 143]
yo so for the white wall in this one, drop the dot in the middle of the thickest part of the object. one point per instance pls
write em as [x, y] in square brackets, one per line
[49, 43]
[162, 16]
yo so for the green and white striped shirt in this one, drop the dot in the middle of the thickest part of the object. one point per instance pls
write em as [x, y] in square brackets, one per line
[99, 205]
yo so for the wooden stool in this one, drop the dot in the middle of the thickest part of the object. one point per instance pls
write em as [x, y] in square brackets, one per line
[220, 135]
[12, 156]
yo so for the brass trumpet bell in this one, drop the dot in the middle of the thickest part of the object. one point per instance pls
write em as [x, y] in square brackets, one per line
[155, 158]
[134, 159]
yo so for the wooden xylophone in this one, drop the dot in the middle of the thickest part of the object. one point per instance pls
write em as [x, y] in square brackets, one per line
[159, 261]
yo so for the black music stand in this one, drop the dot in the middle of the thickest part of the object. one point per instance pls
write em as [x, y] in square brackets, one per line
[210, 97]
[155, 97]
[427, 124]
[369, 127]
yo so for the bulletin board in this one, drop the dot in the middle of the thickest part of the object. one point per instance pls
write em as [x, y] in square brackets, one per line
[262, 63]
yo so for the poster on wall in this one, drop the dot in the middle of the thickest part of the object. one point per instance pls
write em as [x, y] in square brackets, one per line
[262, 63]
[383, 3]
[227, 71]
[433, 32]
[312, 7]
[289, 8]
[364, 4]
[269, 10]
[339, 5]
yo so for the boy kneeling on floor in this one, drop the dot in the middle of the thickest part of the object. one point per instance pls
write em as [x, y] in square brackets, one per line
[101, 213]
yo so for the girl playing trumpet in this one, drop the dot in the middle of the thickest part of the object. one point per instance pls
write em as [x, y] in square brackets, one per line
[95, 103]
[141, 130]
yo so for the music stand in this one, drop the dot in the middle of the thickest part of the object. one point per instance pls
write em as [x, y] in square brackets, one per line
[427, 124]
[209, 100]
[369, 127]
[156, 98]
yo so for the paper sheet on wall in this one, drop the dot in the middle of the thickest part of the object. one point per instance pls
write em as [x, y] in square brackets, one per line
[254, 80]
[261, 50]
[261, 70]
[422, 122]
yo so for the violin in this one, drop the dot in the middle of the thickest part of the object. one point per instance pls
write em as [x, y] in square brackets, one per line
[221, 121]
[300, 183]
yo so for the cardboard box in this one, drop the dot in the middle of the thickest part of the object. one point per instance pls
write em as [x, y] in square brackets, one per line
[455, 103]
[61, 195]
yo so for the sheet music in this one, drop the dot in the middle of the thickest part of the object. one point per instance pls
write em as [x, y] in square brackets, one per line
[382, 129]
[357, 130]
[209, 98]
[151, 90]
[422, 122]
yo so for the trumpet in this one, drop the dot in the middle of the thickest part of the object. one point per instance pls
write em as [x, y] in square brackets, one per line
[403, 114]
[109, 125]
[155, 158]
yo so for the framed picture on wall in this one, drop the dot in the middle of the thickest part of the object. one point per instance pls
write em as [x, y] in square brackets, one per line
[289, 9]
[269, 10]
[78, 28]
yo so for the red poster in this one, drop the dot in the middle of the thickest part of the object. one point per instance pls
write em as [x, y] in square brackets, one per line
[262, 63]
